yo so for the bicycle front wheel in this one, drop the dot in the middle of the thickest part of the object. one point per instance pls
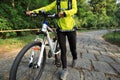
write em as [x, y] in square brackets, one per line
[23, 66]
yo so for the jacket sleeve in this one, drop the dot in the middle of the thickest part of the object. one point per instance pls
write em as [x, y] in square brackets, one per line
[73, 10]
[46, 8]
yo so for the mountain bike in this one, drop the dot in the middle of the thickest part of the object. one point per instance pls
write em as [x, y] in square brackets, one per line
[30, 61]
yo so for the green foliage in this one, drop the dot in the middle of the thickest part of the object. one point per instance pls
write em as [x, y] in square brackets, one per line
[98, 6]
[118, 14]
[11, 19]
[91, 14]
[98, 14]
[16, 42]
[77, 22]
[91, 20]
[4, 25]
[113, 37]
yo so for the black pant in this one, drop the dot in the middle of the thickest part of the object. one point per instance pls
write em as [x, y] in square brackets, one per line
[72, 43]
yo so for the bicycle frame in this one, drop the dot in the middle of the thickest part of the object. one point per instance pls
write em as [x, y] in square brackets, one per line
[44, 30]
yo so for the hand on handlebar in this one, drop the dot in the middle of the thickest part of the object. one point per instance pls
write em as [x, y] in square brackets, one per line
[61, 14]
[44, 14]
[29, 13]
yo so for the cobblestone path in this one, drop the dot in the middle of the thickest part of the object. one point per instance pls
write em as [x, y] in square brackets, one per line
[97, 60]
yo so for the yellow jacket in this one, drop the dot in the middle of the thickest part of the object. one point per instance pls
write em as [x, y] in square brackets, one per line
[66, 23]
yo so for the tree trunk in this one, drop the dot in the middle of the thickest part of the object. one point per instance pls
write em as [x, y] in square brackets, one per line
[13, 4]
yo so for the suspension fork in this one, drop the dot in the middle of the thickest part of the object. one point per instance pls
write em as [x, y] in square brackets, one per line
[41, 52]
[32, 53]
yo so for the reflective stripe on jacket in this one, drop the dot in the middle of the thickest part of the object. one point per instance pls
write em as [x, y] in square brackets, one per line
[66, 23]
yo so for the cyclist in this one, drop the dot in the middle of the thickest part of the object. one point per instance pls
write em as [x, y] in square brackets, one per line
[65, 28]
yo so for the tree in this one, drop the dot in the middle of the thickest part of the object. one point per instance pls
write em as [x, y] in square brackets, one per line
[118, 14]
[111, 9]
[98, 6]
[83, 8]
[105, 11]
[13, 4]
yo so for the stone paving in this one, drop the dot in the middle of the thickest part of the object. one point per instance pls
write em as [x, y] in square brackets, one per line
[97, 60]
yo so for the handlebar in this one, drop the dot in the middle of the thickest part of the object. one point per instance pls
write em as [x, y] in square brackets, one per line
[44, 14]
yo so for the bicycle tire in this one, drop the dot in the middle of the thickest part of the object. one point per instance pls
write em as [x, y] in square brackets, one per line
[30, 74]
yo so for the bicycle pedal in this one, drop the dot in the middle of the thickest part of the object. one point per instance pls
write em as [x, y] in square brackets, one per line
[58, 63]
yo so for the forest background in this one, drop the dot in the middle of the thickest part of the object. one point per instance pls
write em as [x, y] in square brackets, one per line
[92, 14]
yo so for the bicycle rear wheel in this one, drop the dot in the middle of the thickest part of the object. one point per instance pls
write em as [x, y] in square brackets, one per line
[22, 69]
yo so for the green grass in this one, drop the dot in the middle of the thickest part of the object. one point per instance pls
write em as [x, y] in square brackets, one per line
[14, 43]
[113, 37]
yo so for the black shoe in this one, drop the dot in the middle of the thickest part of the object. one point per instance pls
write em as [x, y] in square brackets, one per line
[58, 63]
